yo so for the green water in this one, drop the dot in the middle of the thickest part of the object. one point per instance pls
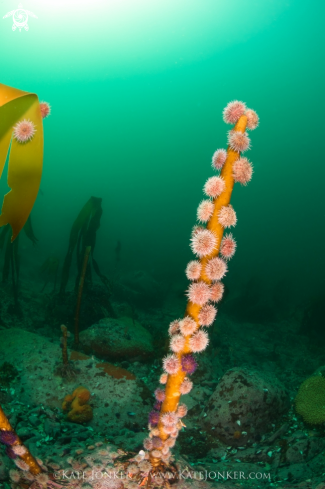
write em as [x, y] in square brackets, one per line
[137, 90]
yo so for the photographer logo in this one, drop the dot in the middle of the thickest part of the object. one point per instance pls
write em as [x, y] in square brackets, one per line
[20, 18]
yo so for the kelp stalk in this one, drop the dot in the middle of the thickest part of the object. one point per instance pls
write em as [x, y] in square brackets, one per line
[188, 336]
[80, 289]
[65, 359]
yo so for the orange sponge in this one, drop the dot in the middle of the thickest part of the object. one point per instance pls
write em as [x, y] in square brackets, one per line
[76, 404]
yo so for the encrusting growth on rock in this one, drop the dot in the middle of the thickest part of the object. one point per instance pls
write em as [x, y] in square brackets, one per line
[77, 405]
[187, 336]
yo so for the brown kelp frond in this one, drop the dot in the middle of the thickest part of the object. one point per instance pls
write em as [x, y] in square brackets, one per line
[21, 136]
[82, 234]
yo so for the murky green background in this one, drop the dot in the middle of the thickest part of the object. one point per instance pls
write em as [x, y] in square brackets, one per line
[137, 90]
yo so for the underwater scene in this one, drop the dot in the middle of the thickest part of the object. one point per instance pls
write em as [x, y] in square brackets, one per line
[162, 296]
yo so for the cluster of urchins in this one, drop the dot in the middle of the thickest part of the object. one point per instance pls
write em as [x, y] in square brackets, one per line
[25, 130]
[15, 450]
[203, 243]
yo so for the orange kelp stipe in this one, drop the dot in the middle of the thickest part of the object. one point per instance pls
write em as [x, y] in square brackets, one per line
[25, 159]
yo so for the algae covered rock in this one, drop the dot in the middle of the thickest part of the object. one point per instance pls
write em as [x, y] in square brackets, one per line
[310, 400]
[243, 407]
[118, 339]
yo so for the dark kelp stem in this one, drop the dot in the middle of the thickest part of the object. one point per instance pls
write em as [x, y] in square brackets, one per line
[80, 289]
[64, 344]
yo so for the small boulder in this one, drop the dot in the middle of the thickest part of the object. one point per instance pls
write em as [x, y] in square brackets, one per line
[51, 428]
[243, 407]
[3, 469]
[117, 339]
[304, 450]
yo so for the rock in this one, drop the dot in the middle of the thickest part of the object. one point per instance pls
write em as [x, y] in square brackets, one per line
[243, 407]
[304, 450]
[51, 428]
[117, 339]
[24, 433]
[113, 389]
[33, 419]
[64, 440]
[218, 453]
[3, 469]
[82, 436]
[295, 472]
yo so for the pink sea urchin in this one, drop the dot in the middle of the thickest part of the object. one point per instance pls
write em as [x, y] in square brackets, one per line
[42, 479]
[177, 343]
[189, 364]
[147, 443]
[199, 341]
[181, 410]
[205, 210]
[160, 395]
[207, 315]
[169, 419]
[156, 453]
[19, 450]
[228, 246]
[185, 387]
[174, 327]
[198, 293]
[14, 475]
[24, 131]
[174, 434]
[154, 418]
[187, 326]
[156, 442]
[203, 242]
[170, 442]
[233, 111]
[169, 429]
[196, 229]
[219, 158]
[145, 466]
[193, 270]
[45, 109]
[214, 186]
[238, 141]
[216, 268]
[165, 450]
[242, 171]
[252, 119]
[171, 364]
[216, 291]
[163, 378]
[227, 216]
[21, 464]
